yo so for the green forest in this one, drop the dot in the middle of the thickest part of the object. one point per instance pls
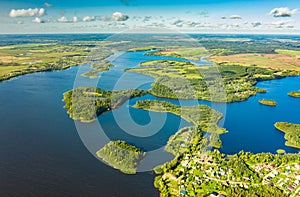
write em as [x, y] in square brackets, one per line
[220, 83]
[202, 116]
[294, 94]
[121, 156]
[86, 103]
[292, 133]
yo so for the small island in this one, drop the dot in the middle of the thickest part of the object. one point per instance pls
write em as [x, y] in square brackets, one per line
[280, 151]
[294, 94]
[97, 68]
[86, 103]
[292, 133]
[267, 102]
[121, 156]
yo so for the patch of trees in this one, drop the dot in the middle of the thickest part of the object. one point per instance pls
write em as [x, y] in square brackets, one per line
[86, 103]
[121, 156]
[292, 133]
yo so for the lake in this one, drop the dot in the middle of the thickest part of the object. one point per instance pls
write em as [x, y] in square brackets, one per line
[44, 152]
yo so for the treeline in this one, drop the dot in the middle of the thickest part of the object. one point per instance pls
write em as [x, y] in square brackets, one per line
[275, 159]
[292, 133]
[86, 103]
[218, 46]
[121, 156]
[263, 190]
[202, 116]
[164, 52]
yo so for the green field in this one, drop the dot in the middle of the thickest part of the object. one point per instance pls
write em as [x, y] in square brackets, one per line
[289, 52]
[273, 61]
[28, 58]
[194, 53]
[220, 83]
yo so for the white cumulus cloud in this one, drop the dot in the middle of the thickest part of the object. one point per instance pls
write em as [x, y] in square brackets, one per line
[38, 20]
[118, 16]
[88, 18]
[75, 19]
[47, 5]
[63, 19]
[27, 12]
[41, 12]
[282, 12]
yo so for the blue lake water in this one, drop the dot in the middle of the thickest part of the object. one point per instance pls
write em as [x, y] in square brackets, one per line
[250, 124]
[41, 152]
[41, 149]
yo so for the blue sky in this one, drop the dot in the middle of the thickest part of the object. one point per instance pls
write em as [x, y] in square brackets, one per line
[193, 16]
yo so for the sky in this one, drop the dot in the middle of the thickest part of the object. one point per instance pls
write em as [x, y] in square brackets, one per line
[114, 16]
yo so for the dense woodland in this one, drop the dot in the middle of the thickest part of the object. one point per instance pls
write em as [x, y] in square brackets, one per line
[121, 156]
[236, 45]
[292, 133]
[86, 103]
[202, 116]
